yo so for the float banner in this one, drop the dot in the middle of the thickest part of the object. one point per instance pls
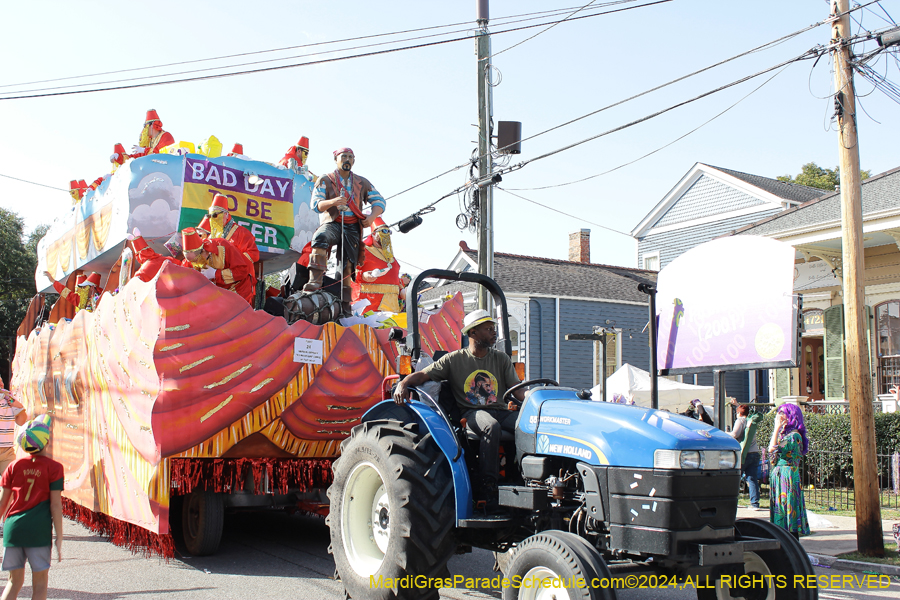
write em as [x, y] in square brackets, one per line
[265, 209]
[728, 305]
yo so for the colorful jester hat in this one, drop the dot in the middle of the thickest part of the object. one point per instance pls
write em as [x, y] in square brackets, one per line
[35, 434]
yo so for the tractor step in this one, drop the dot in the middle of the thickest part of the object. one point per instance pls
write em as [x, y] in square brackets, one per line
[487, 522]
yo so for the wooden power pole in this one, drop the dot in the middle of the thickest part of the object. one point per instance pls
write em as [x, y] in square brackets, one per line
[858, 382]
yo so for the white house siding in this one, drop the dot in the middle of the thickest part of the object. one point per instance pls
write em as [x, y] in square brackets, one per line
[706, 197]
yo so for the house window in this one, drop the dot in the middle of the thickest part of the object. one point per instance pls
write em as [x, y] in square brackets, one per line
[613, 356]
[887, 323]
[651, 261]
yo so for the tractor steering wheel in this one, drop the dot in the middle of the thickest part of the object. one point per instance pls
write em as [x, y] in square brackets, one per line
[508, 395]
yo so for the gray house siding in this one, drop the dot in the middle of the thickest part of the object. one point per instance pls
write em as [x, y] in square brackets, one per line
[672, 244]
[576, 358]
[706, 197]
[541, 353]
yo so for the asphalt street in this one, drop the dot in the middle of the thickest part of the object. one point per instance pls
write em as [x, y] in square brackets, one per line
[274, 555]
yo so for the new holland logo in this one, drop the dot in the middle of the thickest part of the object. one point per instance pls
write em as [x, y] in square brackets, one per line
[704, 433]
[543, 445]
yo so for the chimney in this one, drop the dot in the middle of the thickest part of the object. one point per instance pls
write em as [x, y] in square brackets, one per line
[580, 246]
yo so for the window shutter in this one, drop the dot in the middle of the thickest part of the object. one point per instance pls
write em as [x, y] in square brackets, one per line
[834, 353]
[782, 383]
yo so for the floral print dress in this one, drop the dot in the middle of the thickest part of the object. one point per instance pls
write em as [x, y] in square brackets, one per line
[786, 506]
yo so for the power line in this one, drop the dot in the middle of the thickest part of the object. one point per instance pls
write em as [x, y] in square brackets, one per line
[251, 53]
[543, 31]
[30, 95]
[33, 183]
[663, 147]
[556, 210]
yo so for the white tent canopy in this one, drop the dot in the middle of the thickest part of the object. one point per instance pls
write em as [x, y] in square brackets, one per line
[634, 384]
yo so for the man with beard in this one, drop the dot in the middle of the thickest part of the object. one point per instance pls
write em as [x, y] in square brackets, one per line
[232, 269]
[339, 198]
[222, 225]
[479, 376]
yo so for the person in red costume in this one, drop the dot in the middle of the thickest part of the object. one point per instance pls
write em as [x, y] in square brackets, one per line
[233, 271]
[223, 226]
[153, 137]
[77, 190]
[151, 260]
[295, 159]
[378, 277]
[87, 291]
[117, 159]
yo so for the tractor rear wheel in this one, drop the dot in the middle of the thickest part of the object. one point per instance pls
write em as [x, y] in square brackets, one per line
[392, 511]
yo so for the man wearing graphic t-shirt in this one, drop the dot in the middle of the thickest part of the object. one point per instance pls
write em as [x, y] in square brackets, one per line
[479, 377]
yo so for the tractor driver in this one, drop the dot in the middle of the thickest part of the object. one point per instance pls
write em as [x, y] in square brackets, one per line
[479, 376]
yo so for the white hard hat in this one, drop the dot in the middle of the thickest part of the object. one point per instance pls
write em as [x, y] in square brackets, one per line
[475, 318]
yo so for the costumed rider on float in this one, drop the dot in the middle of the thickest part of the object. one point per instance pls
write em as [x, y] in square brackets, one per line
[378, 275]
[339, 198]
[479, 376]
[222, 225]
[87, 291]
[295, 159]
[232, 269]
[153, 137]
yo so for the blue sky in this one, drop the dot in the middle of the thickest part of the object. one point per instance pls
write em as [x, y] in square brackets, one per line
[409, 115]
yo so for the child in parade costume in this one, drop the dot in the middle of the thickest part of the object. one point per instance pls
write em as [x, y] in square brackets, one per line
[31, 501]
[787, 446]
[153, 137]
[378, 275]
[87, 291]
[232, 269]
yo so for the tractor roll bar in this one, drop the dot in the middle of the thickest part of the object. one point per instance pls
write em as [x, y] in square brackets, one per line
[412, 309]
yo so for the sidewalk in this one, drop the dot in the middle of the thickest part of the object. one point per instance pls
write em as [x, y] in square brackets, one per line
[833, 535]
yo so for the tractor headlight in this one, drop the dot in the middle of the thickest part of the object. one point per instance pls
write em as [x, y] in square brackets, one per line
[695, 459]
[727, 459]
[691, 459]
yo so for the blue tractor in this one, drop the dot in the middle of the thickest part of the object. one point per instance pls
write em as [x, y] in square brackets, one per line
[596, 496]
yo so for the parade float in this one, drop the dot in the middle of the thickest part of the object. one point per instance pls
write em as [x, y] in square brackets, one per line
[174, 400]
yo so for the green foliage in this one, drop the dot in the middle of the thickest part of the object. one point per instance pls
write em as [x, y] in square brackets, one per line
[830, 461]
[812, 175]
[16, 277]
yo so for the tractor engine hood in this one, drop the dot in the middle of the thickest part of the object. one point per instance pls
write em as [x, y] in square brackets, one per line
[554, 421]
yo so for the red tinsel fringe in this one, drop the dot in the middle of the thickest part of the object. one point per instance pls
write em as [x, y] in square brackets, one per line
[225, 475]
[135, 538]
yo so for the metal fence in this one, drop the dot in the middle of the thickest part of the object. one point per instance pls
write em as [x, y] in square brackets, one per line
[827, 479]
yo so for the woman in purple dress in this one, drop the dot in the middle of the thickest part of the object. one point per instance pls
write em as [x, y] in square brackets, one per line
[788, 445]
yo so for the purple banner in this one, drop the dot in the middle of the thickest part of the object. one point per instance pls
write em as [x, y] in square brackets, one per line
[222, 177]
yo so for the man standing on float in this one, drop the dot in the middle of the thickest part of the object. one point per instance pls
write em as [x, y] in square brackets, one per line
[338, 198]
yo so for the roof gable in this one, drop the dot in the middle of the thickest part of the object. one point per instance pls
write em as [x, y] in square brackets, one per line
[708, 193]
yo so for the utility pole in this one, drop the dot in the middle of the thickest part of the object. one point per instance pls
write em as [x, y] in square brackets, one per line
[485, 189]
[858, 384]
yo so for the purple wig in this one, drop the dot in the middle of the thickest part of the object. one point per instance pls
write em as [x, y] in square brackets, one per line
[793, 421]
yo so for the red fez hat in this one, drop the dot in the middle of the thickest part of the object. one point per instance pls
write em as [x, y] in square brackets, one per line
[73, 185]
[151, 116]
[82, 184]
[80, 279]
[139, 244]
[92, 279]
[378, 223]
[238, 149]
[342, 151]
[304, 142]
[219, 201]
[120, 150]
[204, 225]
[190, 240]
